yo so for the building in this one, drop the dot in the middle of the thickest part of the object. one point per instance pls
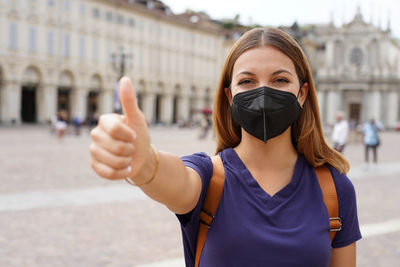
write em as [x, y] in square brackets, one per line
[65, 54]
[357, 70]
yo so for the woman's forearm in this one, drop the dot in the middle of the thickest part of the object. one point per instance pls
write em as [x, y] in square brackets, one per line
[173, 185]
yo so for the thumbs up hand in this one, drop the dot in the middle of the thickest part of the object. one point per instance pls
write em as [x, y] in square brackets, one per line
[121, 143]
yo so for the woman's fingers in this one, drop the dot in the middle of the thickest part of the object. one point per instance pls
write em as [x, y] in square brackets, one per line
[116, 147]
[108, 172]
[103, 156]
[114, 126]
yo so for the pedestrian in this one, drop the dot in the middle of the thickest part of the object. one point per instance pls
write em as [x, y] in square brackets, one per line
[269, 139]
[77, 125]
[205, 126]
[340, 132]
[61, 124]
[371, 141]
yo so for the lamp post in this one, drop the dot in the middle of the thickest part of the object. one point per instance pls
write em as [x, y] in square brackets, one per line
[119, 63]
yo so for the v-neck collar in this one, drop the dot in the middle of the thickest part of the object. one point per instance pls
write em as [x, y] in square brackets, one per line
[254, 186]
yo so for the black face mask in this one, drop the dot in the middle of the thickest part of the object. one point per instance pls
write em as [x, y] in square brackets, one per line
[265, 112]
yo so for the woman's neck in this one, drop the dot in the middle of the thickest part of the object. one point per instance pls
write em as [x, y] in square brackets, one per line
[277, 153]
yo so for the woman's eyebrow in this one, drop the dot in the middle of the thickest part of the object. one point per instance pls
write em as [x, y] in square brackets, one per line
[282, 71]
[245, 73]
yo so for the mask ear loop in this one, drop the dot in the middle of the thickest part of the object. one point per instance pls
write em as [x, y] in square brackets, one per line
[294, 141]
[298, 93]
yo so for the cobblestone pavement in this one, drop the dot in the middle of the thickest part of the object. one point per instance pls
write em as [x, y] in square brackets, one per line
[55, 211]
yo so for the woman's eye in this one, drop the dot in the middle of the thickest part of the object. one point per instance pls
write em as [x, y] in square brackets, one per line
[244, 82]
[281, 80]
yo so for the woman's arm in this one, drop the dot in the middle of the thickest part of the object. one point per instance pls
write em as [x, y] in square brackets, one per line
[176, 186]
[121, 148]
[344, 256]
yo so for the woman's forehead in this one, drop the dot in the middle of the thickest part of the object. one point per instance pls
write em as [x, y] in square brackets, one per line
[265, 58]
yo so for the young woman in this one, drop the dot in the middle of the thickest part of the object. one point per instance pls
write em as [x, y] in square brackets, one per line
[270, 139]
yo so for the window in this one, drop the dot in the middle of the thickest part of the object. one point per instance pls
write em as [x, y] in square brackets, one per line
[82, 47]
[108, 52]
[32, 39]
[67, 40]
[140, 58]
[109, 16]
[82, 9]
[120, 19]
[50, 42]
[95, 49]
[67, 5]
[13, 35]
[96, 13]
[132, 22]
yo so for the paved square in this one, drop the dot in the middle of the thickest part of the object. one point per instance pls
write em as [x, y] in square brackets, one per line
[55, 211]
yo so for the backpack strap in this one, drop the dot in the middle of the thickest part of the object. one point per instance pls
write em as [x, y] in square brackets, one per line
[329, 193]
[213, 197]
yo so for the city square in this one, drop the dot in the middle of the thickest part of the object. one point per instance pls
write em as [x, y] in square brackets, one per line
[55, 211]
[61, 63]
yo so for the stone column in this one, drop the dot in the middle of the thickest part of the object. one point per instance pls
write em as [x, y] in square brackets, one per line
[374, 106]
[167, 108]
[47, 106]
[149, 105]
[183, 107]
[393, 109]
[13, 100]
[198, 106]
[329, 56]
[365, 106]
[78, 102]
[332, 106]
[3, 104]
[106, 101]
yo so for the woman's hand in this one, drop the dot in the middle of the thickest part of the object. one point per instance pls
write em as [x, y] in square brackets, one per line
[121, 143]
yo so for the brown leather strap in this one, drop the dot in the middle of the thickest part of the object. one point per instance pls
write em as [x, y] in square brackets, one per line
[213, 196]
[330, 199]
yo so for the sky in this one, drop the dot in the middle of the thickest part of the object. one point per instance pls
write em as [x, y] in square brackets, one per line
[286, 12]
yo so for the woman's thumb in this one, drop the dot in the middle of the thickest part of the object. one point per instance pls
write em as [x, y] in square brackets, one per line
[127, 97]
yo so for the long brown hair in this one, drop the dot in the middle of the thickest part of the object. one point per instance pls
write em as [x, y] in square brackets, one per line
[307, 130]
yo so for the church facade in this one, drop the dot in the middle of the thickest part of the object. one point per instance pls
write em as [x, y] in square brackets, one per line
[357, 71]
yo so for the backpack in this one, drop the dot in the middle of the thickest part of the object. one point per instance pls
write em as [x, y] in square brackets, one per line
[216, 188]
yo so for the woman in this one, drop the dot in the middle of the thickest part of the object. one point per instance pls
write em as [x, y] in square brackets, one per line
[269, 139]
[371, 140]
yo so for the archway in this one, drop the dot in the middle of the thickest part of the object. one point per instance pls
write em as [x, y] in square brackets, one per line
[29, 95]
[64, 92]
[192, 103]
[157, 118]
[175, 103]
[159, 108]
[208, 99]
[93, 100]
[141, 94]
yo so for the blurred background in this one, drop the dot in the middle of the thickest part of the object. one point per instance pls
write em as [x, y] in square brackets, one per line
[60, 62]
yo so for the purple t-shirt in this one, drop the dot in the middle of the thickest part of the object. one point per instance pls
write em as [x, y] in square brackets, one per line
[251, 228]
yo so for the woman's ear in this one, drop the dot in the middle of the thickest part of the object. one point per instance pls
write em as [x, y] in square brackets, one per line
[228, 95]
[303, 94]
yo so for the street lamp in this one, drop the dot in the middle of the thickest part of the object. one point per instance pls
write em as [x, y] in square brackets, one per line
[119, 62]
